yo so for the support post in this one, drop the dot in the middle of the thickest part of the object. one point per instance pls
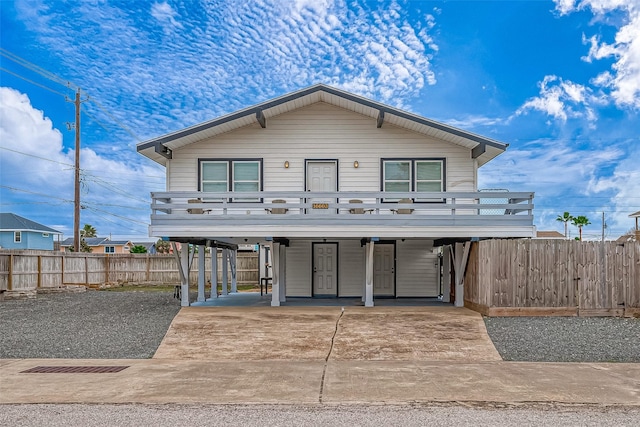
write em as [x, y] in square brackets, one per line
[446, 274]
[282, 285]
[214, 273]
[234, 270]
[275, 271]
[368, 294]
[184, 285]
[225, 272]
[201, 273]
[460, 261]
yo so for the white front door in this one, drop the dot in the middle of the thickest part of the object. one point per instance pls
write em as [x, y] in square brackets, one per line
[383, 270]
[325, 269]
[322, 175]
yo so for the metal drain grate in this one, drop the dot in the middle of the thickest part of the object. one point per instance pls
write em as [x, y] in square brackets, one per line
[74, 370]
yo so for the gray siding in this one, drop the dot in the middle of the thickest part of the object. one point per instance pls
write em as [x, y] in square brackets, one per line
[416, 271]
[298, 269]
[321, 131]
[352, 274]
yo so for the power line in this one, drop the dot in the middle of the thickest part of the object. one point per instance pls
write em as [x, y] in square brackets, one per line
[35, 193]
[31, 81]
[108, 186]
[88, 204]
[36, 68]
[98, 122]
[120, 124]
[117, 216]
[36, 157]
[119, 224]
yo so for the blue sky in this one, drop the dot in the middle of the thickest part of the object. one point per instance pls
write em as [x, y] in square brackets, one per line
[557, 80]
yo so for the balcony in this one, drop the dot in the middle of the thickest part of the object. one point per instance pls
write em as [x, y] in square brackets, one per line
[348, 214]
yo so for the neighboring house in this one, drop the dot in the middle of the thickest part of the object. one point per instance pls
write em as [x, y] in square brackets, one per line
[17, 232]
[549, 235]
[100, 245]
[352, 198]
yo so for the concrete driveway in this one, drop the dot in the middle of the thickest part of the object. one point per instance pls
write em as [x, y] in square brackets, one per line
[321, 355]
[328, 333]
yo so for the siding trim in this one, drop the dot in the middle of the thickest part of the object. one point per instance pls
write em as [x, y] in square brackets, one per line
[230, 161]
[413, 172]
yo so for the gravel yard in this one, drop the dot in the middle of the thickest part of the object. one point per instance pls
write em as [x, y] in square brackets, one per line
[87, 325]
[566, 339]
[131, 325]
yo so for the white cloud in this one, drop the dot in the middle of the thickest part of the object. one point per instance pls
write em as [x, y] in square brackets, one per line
[623, 80]
[180, 68]
[561, 100]
[34, 161]
[624, 185]
[165, 14]
[26, 129]
[567, 177]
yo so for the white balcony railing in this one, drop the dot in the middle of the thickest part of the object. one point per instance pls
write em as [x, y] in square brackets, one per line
[344, 207]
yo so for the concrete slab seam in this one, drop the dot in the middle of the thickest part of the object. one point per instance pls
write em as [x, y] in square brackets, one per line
[326, 360]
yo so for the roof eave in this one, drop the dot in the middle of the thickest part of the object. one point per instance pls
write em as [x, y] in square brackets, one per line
[157, 149]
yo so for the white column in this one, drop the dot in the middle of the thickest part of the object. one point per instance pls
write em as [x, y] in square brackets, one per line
[275, 272]
[282, 276]
[214, 273]
[368, 289]
[201, 273]
[184, 286]
[225, 271]
[460, 261]
[234, 269]
[446, 274]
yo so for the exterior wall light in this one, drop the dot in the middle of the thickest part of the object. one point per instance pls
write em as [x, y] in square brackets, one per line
[286, 164]
[356, 164]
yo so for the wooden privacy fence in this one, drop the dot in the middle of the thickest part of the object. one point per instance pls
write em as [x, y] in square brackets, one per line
[553, 277]
[24, 271]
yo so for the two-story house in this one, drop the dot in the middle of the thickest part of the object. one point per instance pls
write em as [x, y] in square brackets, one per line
[352, 197]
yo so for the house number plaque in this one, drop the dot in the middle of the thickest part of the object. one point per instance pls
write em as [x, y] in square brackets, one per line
[320, 206]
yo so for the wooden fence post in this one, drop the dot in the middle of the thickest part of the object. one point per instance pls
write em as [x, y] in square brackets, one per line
[39, 285]
[10, 279]
[107, 269]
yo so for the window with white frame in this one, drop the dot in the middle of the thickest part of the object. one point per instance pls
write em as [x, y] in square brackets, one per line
[411, 175]
[109, 249]
[231, 175]
[17, 236]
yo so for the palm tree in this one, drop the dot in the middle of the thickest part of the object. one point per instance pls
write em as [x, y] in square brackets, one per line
[88, 231]
[580, 221]
[566, 217]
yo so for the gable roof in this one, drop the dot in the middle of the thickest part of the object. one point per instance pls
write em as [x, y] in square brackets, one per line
[159, 149]
[549, 235]
[96, 241]
[13, 222]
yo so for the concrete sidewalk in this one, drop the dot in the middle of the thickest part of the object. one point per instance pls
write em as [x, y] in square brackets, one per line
[313, 382]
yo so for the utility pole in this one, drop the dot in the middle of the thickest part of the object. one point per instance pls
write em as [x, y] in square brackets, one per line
[76, 198]
[604, 225]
